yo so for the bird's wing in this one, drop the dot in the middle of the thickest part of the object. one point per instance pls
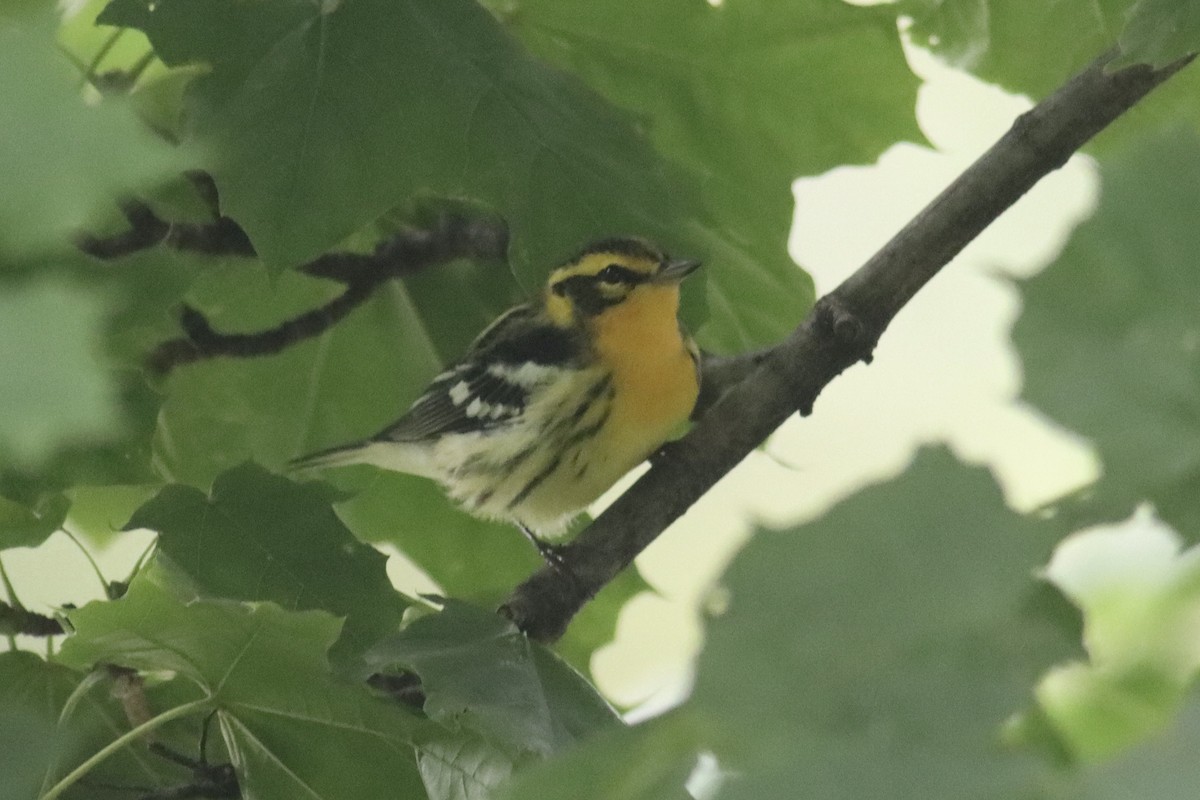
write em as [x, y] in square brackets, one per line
[518, 353]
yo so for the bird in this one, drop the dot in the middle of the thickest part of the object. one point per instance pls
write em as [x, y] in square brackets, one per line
[554, 401]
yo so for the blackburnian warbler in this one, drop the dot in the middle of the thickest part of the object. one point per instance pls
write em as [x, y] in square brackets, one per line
[556, 399]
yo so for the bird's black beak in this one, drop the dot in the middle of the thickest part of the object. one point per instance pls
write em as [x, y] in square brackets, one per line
[675, 270]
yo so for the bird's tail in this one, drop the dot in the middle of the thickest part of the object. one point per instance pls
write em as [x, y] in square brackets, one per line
[397, 456]
[339, 456]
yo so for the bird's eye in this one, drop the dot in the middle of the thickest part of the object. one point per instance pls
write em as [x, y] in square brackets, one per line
[613, 273]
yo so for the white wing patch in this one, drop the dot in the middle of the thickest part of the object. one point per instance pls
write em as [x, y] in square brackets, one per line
[459, 394]
[483, 410]
[525, 375]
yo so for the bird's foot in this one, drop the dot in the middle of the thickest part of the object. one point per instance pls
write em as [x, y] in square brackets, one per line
[552, 554]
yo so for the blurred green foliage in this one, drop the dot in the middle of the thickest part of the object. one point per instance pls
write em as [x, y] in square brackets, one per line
[896, 647]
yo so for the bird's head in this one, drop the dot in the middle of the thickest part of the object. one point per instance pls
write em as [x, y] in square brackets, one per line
[611, 273]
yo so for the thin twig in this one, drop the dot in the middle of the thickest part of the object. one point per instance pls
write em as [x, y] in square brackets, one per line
[452, 235]
[449, 234]
[841, 330]
[221, 236]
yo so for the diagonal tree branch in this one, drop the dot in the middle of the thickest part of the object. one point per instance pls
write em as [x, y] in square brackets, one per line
[841, 330]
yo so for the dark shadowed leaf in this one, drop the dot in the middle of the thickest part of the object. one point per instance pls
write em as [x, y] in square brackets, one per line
[1032, 48]
[479, 672]
[28, 527]
[1161, 31]
[51, 719]
[651, 761]
[291, 727]
[258, 536]
[32, 694]
[878, 650]
[1026, 48]
[1110, 333]
[815, 85]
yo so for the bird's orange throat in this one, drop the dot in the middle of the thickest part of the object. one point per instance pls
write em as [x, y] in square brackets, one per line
[641, 341]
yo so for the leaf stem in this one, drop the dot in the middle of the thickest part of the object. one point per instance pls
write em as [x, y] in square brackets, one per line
[137, 567]
[90, 560]
[9, 590]
[10, 594]
[89, 74]
[112, 747]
